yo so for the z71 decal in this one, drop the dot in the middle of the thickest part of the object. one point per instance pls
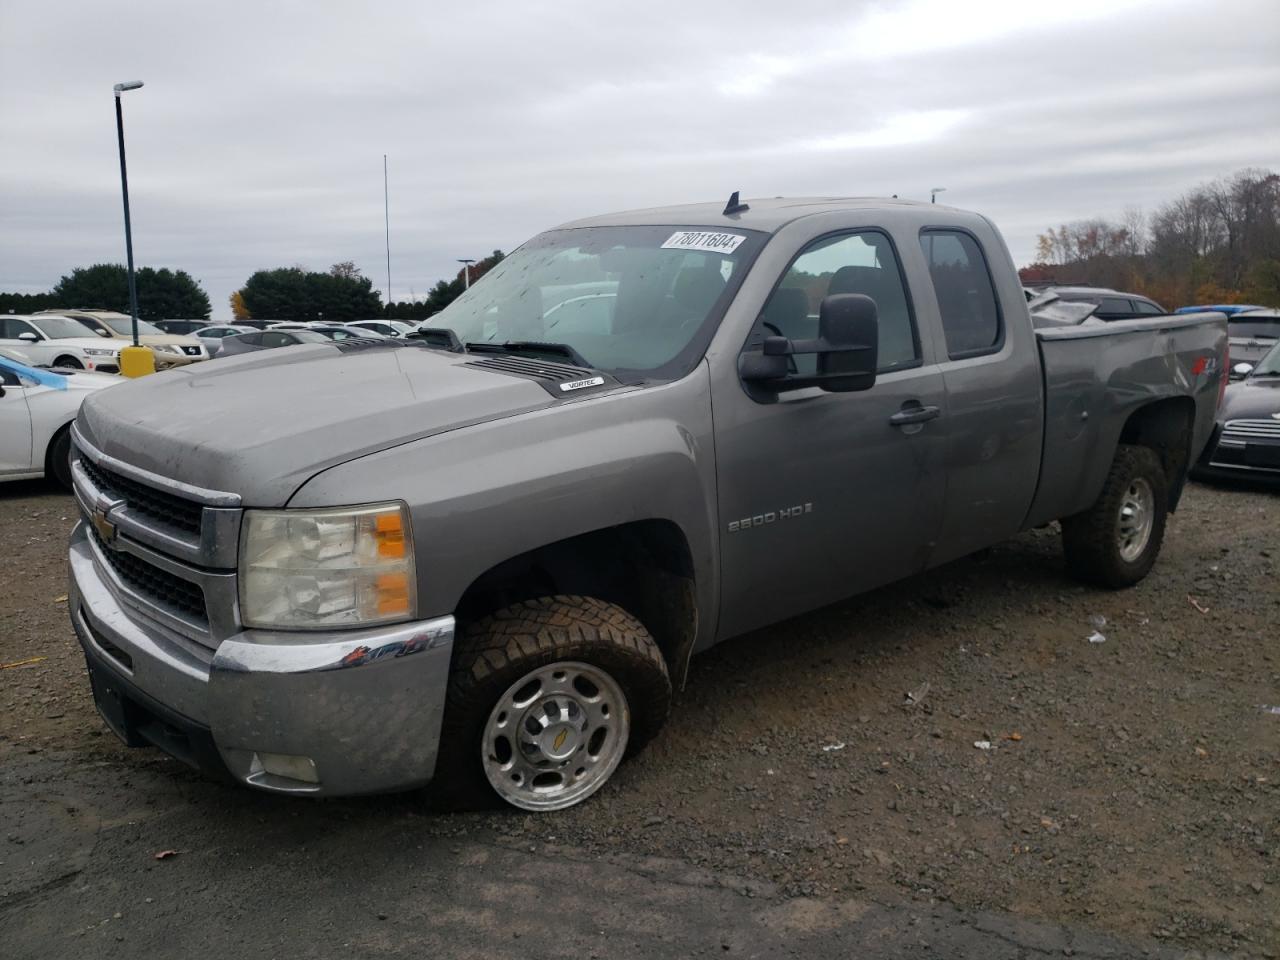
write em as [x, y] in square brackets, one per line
[773, 516]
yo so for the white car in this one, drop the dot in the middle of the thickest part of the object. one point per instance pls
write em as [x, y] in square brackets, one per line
[56, 341]
[388, 328]
[213, 335]
[37, 405]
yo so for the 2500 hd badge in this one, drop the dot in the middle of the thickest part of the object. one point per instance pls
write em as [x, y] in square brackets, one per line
[760, 519]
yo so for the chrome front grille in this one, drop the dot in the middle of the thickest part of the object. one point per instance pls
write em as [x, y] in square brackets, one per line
[178, 512]
[156, 585]
[1251, 430]
[167, 549]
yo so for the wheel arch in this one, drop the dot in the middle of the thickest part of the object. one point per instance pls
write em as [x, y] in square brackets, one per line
[1166, 426]
[644, 566]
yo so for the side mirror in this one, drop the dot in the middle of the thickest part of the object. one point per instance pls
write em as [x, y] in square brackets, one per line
[28, 336]
[1242, 369]
[846, 348]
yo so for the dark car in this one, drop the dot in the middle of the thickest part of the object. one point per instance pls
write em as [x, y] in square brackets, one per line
[1251, 335]
[1111, 304]
[267, 340]
[181, 327]
[1246, 440]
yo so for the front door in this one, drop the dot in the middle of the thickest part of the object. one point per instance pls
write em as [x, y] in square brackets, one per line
[15, 425]
[823, 495]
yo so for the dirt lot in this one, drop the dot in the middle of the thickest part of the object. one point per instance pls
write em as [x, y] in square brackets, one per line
[1131, 786]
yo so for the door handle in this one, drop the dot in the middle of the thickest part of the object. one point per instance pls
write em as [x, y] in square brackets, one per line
[913, 412]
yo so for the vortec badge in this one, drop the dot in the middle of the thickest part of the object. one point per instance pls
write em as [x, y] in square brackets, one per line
[581, 384]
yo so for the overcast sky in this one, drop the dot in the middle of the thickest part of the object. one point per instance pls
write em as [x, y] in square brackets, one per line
[258, 139]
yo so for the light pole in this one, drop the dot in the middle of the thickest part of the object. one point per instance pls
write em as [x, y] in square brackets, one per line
[933, 194]
[124, 186]
[466, 273]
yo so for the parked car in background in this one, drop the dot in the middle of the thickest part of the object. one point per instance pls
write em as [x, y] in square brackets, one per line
[388, 328]
[212, 336]
[1252, 334]
[333, 331]
[783, 404]
[37, 406]
[170, 349]
[257, 340]
[1230, 309]
[1111, 304]
[1246, 438]
[181, 327]
[58, 341]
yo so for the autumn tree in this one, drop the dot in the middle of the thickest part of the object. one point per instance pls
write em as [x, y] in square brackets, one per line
[238, 310]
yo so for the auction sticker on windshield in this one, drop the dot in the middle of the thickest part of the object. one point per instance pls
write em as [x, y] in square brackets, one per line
[703, 240]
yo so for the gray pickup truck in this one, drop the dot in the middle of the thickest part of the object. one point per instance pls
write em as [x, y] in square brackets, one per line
[485, 556]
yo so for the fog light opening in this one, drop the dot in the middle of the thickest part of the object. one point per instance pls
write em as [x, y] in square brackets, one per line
[285, 765]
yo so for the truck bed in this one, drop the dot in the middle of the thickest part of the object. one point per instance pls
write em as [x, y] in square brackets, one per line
[1097, 377]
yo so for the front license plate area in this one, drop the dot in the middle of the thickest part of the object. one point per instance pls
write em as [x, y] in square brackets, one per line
[1262, 455]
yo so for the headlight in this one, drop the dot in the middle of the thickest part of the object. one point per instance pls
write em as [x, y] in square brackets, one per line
[99, 352]
[166, 348]
[309, 569]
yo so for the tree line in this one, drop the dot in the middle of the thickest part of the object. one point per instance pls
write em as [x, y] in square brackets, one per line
[162, 294]
[342, 293]
[1217, 243]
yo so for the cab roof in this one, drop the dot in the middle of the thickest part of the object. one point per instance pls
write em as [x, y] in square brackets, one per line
[766, 215]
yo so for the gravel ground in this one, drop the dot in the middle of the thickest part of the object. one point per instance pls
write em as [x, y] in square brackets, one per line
[1130, 785]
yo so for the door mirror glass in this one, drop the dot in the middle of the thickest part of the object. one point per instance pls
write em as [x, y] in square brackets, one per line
[846, 349]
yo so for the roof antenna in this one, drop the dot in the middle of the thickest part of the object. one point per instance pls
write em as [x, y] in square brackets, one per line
[734, 206]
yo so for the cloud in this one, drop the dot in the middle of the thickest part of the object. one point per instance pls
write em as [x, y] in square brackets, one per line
[258, 139]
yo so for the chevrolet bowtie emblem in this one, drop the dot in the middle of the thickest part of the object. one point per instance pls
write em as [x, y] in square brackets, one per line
[560, 739]
[106, 529]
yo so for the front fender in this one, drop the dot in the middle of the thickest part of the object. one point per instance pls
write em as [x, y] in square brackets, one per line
[482, 494]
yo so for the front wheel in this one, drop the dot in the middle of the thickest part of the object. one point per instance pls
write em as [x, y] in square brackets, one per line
[1116, 541]
[58, 459]
[68, 363]
[545, 699]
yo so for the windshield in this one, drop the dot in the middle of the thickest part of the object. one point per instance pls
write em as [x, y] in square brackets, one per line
[636, 299]
[60, 328]
[124, 325]
[1269, 366]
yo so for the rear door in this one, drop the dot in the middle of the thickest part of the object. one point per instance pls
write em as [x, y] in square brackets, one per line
[824, 495]
[991, 369]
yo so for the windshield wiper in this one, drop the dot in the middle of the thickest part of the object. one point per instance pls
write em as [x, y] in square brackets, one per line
[532, 348]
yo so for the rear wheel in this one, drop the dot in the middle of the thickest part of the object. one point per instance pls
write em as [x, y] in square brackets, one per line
[71, 363]
[1116, 541]
[545, 699]
[58, 459]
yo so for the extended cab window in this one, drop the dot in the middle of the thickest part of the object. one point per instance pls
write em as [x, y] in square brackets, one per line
[965, 292]
[1145, 308]
[861, 262]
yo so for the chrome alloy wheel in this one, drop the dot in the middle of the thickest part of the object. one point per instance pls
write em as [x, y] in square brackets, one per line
[555, 736]
[1133, 525]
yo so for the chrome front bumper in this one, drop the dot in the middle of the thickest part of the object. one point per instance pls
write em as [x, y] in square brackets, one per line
[364, 707]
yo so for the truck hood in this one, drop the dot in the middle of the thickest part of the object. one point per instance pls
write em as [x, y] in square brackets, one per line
[261, 424]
